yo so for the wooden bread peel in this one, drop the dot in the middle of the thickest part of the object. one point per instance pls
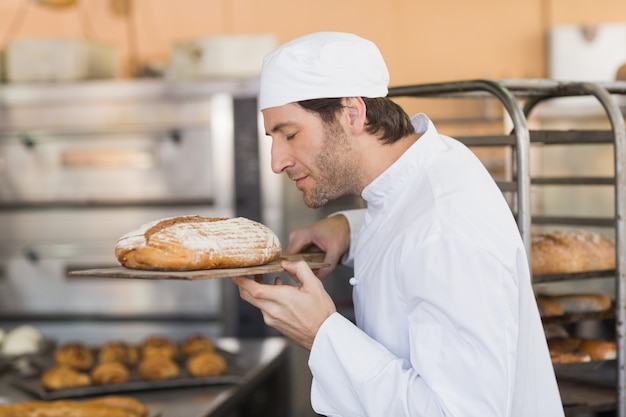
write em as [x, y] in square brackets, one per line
[314, 260]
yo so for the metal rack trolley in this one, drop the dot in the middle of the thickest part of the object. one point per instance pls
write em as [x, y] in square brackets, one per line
[521, 96]
[537, 91]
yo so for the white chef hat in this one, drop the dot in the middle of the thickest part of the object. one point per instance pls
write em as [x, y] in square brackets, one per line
[322, 65]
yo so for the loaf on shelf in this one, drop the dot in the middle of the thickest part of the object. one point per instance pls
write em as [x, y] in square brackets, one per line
[558, 305]
[570, 251]
[572, 349]
[549, 307]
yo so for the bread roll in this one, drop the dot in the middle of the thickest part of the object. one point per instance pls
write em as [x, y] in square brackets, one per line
[599, 350]
[196, 343]
[154, 368]
[206, 364]
[158, 346]
[569, 357]
[582, 303]
[566, 350]
[569, 251]
[189, 243]
[117, 351]
[108, 373]
[64, 377]
[594, 349]
[75, 355]
[549, 307]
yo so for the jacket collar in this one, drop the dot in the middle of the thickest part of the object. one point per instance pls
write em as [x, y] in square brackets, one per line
[394, 179]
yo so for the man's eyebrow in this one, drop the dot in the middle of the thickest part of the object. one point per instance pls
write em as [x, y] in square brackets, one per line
[277, 128]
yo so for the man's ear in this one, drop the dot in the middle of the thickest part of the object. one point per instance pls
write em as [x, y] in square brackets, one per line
[356, 111]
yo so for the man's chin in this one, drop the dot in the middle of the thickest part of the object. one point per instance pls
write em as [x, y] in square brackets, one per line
[314, 203]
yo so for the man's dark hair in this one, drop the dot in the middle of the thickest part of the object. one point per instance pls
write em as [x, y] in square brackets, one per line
[385, 118]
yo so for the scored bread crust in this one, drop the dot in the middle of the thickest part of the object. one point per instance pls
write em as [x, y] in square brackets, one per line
[187, 243]
[569, 251]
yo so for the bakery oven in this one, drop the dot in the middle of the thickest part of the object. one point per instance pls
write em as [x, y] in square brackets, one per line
[81, 165]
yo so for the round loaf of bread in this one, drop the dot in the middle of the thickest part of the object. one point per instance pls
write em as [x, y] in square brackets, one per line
[189, 243]
[599, 350]
[569, 251]
[582, 303]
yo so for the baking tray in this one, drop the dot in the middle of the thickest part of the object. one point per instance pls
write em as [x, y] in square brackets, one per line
[32, 384]
[598, 372]
[314, 260]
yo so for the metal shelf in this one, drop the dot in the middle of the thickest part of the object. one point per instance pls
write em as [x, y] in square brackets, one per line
[545, 278]
[571, 137]
[581, 397]
[574, 221]
[572, 181]
[575, 318]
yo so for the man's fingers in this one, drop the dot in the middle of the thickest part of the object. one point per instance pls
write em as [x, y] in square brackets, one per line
[300, 270]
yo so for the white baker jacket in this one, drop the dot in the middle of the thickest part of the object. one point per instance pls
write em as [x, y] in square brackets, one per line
[447, 320]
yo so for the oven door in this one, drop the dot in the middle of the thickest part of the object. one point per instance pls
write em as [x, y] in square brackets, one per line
[114, 168]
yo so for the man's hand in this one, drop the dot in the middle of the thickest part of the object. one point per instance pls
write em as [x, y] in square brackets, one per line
[331, 235]
[295, 311]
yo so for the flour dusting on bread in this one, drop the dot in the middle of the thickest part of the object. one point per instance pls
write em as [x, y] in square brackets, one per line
[195, 242]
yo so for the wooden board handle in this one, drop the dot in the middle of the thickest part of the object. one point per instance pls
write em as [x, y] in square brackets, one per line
[309, 257]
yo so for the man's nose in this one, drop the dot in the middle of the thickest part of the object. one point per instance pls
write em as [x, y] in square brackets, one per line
[280, 158]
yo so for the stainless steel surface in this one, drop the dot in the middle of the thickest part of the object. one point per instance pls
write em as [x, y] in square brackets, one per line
[263, 359]
[136, 167]
[95, 330]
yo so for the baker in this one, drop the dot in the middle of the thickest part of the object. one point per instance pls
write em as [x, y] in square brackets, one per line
[446, 320]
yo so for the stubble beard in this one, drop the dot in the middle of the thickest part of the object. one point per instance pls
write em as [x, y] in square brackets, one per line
[338, 172]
